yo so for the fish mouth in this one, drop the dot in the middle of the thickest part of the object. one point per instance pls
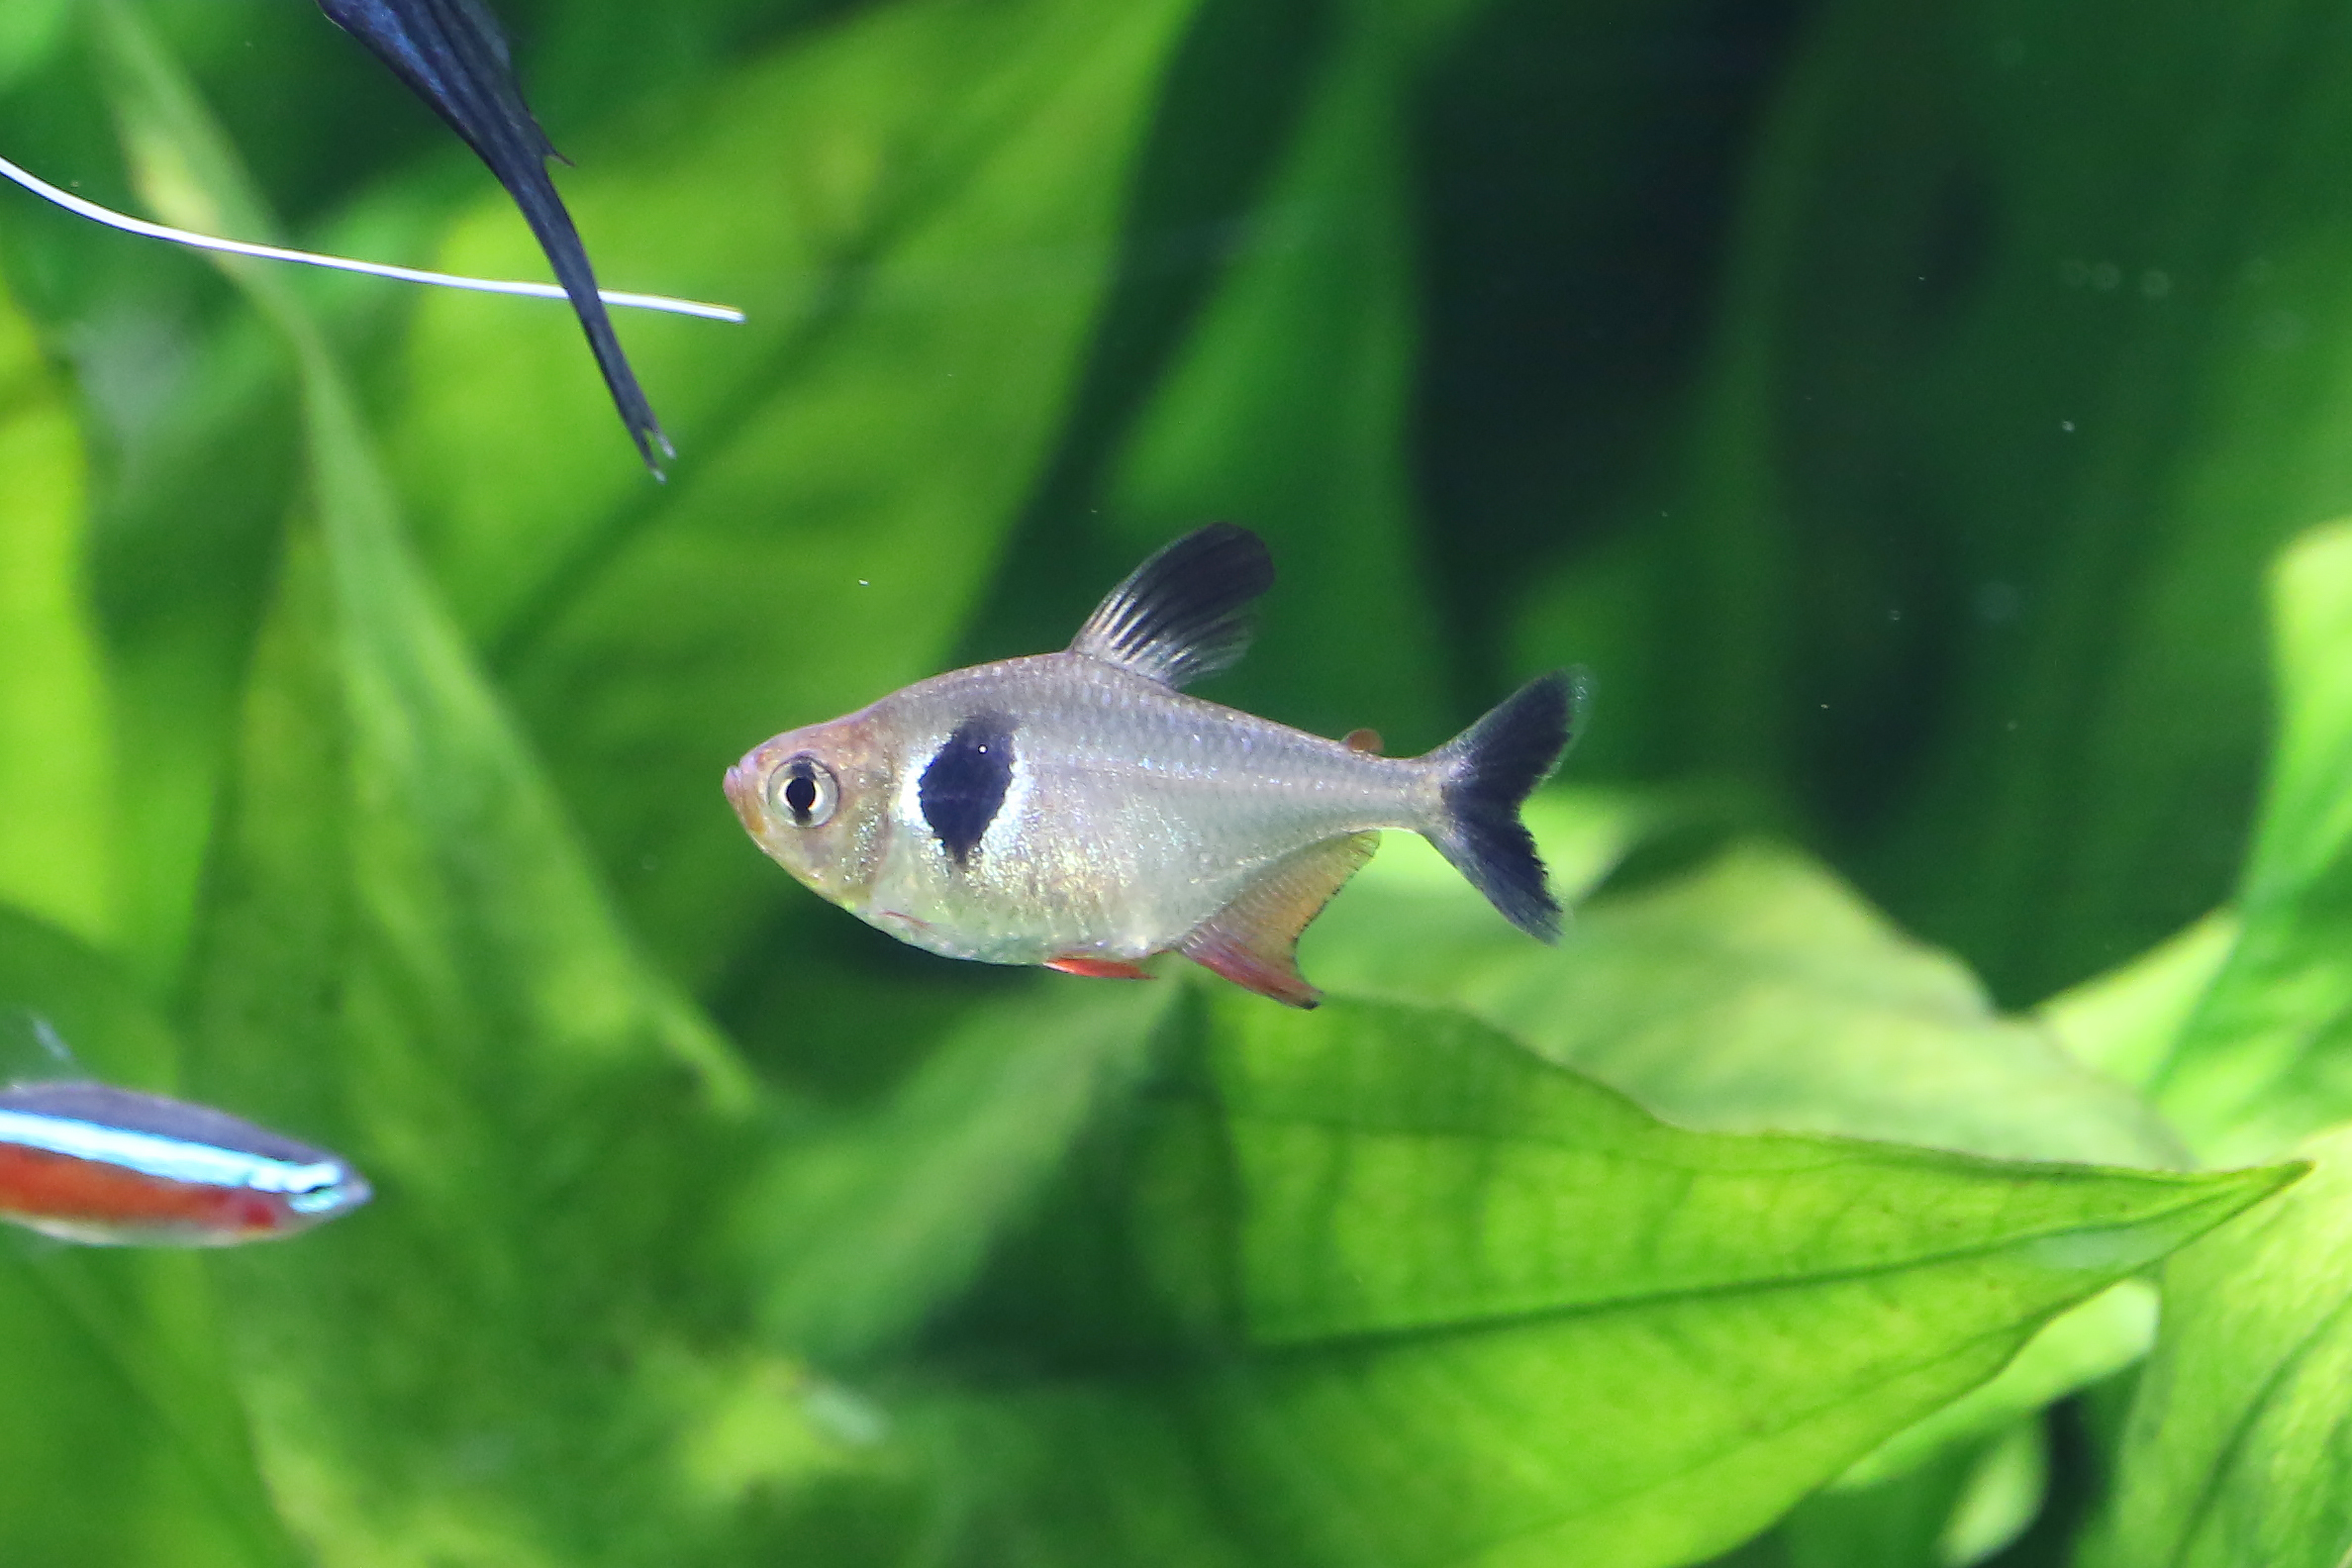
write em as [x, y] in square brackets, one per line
[743, 790]
[348, 1192]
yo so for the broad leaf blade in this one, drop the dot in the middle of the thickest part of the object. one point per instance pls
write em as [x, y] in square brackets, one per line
[1421, 1297]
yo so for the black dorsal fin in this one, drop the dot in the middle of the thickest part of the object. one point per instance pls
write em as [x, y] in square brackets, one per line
[1185, 613]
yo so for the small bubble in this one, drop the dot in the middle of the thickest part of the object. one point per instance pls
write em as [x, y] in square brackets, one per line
[1894, 613]
[2279, 329]
[844, 1414]
[2155, 283]
[2065, 425]
[864, 583]
[1997, 602]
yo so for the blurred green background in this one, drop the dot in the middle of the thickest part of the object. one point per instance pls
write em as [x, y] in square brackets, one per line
[1925, 424]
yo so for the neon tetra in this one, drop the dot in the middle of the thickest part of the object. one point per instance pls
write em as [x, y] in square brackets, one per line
[1076, 810]
[92, 1164]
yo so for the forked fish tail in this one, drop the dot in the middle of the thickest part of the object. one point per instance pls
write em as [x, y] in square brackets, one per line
[1490, 770]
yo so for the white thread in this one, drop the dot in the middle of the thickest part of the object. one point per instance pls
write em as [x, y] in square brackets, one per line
[155, 231]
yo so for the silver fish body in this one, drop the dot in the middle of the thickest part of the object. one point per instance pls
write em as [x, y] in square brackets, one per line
[1075, 808]
[1133, 813]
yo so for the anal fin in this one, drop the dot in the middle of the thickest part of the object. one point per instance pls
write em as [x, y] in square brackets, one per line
[1253, 941]
[1097, 968]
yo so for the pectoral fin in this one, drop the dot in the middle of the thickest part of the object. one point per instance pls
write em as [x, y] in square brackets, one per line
[1097, 968]
[1253, 941]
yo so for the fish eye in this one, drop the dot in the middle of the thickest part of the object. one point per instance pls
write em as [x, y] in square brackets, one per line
[804, 790]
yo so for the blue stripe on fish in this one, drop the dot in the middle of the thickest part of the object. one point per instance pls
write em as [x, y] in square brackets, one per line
[171, 1160]
[170, 1139]
[963, 786]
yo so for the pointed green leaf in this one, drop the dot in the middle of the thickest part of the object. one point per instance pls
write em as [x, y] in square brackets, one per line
[1423, 1298]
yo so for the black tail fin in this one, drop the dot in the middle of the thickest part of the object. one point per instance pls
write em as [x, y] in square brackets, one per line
[1492, 769]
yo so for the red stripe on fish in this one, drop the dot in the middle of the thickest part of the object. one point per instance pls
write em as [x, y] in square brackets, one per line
[37, 1186]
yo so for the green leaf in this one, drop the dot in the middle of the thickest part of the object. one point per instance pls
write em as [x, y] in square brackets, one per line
[1961, 1507]
[122, 1440]
[2127, 1021]
[2264, 1059]
[189, 516]
[57, 762]
[29, 34]
[2238, 1453]
[1992, 448]
[922, 206]
[1417, 1296]
[406, 951]
[1758, 992]
[2082, 1345]
[864, 1234]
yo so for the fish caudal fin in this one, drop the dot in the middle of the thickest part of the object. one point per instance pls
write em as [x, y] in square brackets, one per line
[1253, 941]
[1491, 769]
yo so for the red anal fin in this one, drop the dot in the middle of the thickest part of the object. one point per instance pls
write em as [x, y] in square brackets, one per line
[1253, 941]
[1362, 740]
[1097, 968]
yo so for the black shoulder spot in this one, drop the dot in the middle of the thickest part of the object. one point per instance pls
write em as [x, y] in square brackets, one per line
[964, 784]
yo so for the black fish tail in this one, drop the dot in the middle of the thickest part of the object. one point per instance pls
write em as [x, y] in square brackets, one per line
[1491, 769]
